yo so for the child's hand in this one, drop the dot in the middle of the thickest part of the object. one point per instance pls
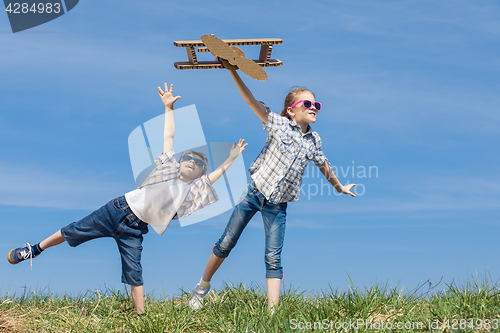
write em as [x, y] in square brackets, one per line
[346, 189]
[167, 97]
[237, 149]
[227, 65]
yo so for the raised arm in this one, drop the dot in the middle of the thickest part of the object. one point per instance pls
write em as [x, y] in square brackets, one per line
[255, 105]
[327, 171]
[236, 150]
[169, 131]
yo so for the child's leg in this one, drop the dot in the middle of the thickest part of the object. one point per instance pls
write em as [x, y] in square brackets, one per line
[130, 248]
[32, 251]
[203, 287]
[249, 203]
[212, 266]
[115, 219]
[274, 217]
[242, 214]
[53, 240]
[137, 293]
[128, 237]
[273, 292]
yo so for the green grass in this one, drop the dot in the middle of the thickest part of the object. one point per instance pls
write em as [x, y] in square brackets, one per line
[237, 308]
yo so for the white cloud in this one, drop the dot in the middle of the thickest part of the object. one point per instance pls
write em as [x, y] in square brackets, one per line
[409, 194]
[30, 185]
[413, 21]
[56, 52]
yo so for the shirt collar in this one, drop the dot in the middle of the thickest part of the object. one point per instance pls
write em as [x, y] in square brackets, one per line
[294, 124]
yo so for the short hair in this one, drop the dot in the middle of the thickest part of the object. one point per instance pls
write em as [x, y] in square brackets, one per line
[202, 156]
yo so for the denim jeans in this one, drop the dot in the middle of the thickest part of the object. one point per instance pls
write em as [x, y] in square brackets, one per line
[274, 216]
[114, 219]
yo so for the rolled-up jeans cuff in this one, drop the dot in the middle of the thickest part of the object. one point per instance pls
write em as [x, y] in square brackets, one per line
[218, 253]
[274, 274]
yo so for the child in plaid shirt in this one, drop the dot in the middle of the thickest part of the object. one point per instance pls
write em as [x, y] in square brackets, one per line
[172, 190]
[276, 178]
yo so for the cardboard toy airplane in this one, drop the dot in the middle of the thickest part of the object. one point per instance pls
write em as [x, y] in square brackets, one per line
[231, 57]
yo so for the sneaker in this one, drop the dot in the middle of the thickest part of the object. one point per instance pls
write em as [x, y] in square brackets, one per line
[15, 256]
[196, 300]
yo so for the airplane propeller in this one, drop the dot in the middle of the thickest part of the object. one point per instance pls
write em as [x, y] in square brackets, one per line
[234, 56]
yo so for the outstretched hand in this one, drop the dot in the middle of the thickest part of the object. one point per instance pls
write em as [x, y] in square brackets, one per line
[346, 189]
[167, 97]
[237, 149]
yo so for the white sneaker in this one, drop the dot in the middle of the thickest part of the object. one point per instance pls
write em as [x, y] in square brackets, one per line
[196, 300]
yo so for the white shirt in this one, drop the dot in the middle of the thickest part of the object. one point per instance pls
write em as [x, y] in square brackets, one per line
[157, 204]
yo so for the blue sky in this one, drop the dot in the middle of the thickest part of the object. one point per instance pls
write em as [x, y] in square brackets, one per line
[409, 88]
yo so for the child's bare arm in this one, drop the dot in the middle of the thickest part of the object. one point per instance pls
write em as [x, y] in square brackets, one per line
[255, 105]
[169, 131]
[235, 152]
[327, 171]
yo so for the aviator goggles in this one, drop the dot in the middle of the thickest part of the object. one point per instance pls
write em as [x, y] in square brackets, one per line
[197, 161]
[307, 104]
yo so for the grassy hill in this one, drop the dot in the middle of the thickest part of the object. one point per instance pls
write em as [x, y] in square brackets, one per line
[472, 307]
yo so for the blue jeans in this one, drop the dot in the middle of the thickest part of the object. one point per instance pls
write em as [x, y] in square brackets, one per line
[114, 219]
[274, 216]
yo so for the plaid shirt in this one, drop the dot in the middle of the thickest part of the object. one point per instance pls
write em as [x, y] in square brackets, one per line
[278, 169]
[201, 192]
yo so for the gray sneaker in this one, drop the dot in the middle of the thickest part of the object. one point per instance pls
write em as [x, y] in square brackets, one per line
[196, 300]
[22, 253]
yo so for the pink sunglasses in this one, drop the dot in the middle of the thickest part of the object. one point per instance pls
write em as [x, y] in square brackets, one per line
[307, 104]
